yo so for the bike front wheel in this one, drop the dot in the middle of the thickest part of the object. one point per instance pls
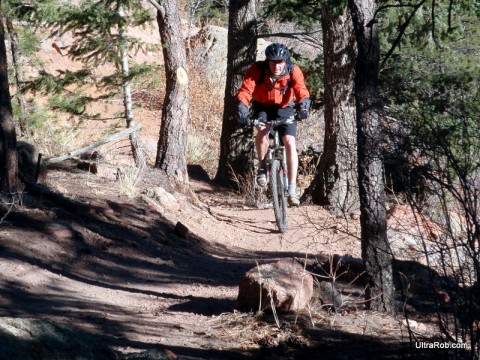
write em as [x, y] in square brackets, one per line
[279, 197]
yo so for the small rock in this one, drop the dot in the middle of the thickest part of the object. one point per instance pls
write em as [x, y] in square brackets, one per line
[60, 230]
[181, 230]
[410, 323]
[164, 198]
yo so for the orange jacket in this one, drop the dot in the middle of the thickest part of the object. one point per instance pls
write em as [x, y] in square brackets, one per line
[268, 93]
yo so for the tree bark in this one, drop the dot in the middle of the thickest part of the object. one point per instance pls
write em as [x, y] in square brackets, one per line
[8, 154]
[17, 65]
[335, 185]
[375, 247]
[172, 145]
[137, 153]
[236, 144]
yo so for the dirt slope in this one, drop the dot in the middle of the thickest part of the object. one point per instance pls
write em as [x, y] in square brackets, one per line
[113, 267]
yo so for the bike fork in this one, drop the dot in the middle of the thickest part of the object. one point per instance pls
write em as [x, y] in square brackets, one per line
[268, 163]
[285, 170]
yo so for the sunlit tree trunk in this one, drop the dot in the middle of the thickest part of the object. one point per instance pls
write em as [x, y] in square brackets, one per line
[335, 185]
[172, 145]
[8, 154]
[236, 143]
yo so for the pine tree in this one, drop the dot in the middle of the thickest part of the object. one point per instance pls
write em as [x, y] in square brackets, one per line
[8, 155]
[373, 219]
[172, 145]
[99, 32]
[235, 143]
[335, 185]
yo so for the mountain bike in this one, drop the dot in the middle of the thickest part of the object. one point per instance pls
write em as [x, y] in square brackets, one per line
[277, 170]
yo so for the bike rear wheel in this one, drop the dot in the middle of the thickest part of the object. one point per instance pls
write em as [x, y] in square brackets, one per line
[279, 197]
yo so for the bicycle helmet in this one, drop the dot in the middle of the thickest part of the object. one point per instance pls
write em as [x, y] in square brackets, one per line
[277, 52]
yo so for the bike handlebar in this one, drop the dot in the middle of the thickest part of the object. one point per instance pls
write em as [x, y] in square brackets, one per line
[275, 122]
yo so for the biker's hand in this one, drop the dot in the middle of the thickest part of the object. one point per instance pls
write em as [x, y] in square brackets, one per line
[243, 114]
[303, 108]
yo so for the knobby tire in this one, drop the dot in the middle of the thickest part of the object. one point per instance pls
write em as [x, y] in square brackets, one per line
[278, 194]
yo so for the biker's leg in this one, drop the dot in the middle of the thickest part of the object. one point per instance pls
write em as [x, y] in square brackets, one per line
[288, 133]
[261, 145]
[292, 161]
[261, 137]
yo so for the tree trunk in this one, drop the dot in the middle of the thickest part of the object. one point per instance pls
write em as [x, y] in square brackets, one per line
[335, 185]
[8, 154]
[137, 153]
[17, 65]
[375, 247]
[236, 144]
[172, 145]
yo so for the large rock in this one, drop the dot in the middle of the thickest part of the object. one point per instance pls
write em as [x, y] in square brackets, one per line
[410, 233]
[285, 284]
[415, 236]
[209, 47]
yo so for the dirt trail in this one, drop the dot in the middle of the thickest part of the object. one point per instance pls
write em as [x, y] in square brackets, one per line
[111, 266]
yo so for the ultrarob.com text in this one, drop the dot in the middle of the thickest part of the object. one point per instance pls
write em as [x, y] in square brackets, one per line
[439, 345]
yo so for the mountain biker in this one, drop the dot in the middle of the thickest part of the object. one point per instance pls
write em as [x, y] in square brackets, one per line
[274, 88]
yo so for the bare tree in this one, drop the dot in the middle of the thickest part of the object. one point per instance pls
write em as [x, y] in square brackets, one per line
[235, 143]
[172, 144]
[8, 154]
[335, 185]
[375, 247]
[137, 153]
[18, 68]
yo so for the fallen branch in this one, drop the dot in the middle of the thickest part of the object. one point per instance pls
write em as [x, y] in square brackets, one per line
[85, 149]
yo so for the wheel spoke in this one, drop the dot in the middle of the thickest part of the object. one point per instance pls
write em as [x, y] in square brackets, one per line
[278, 195]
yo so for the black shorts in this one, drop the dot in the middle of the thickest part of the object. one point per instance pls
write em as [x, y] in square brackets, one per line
[272, 113]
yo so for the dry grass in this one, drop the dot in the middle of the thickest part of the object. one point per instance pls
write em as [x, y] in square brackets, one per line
[201, 151]
[248, 331]
[127, 178]
[307, 169]
[206, 108]
[248, 190]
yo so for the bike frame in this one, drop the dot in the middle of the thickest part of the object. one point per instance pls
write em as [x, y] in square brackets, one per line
[276, 159]
[277, 150]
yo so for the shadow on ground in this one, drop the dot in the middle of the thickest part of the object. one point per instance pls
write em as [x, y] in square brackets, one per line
[111, 245]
